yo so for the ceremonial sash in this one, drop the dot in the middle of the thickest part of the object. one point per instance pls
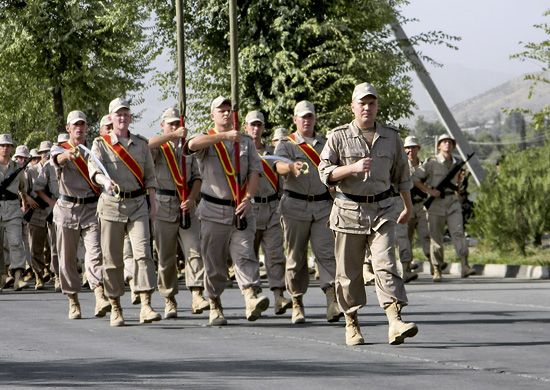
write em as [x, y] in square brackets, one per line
[270, 175]
[126, 158]
[228, 168]
[175, 171]
[307, 149]
[82, 167]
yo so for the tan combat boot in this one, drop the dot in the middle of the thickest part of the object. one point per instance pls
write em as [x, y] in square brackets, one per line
[39, 283]
[18, 283]
[281, 303]
[408, 275]
[198, 303]
[216, 317]
[56, 284]
[298, 313]
[353, 331]
[74, 307]
[255, 304]
[102, 305]
[170, 307]
[466, 270]
[333, 311]
[398, 330]
[368, 274]
[147, 314]
[436, 277]
[116, 312]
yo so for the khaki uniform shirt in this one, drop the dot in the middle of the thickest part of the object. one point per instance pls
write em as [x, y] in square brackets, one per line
[122, 210]
[346, 146]
[39, 215]
[214, 182]
[72, 183]
[267, 214]
[169, 206]
[47, 180]
[309, 184]
[433, 171]
[10, 209]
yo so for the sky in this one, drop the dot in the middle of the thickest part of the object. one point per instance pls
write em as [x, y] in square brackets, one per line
[491, 31]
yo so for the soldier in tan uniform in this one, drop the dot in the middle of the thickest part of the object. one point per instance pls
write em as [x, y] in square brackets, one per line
[74, 214]
[10, 212]
[305, 207]
[105, 125]
[167, 156]
[38, 219]
[445, 209]
[218, 211]
[269, 234]
[363, 159]
[122, 207]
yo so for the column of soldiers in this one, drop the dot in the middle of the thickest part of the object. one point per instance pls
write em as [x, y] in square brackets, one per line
[335, 196]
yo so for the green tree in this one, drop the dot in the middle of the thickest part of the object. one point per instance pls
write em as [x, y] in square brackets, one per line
[291, 50]
[512, 204]
[60, 55]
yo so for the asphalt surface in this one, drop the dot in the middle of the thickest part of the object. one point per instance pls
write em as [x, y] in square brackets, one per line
[479, 333]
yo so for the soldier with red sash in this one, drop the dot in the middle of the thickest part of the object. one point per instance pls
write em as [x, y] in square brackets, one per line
[74, 214]
[122, 164]
[269, 234]
[218, 209]
[178, 191]
[305, 208]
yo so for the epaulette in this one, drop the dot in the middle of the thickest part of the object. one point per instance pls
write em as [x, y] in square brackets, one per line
[392, 127]
[339, 128]
[141, 137]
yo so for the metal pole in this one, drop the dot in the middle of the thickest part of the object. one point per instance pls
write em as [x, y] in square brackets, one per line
[463, 146]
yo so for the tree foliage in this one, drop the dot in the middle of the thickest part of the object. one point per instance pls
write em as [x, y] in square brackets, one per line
[61, 55]
[512, 204]
[291, 50]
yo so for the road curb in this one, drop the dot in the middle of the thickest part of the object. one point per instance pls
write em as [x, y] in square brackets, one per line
[496, 270]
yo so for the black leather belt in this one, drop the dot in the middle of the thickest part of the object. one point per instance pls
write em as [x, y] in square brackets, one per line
[160, 191]
[7, 195]
[131, 194]
[266, 199]
[73, 199]
[370, 198]
[212, 199]
[309, 198]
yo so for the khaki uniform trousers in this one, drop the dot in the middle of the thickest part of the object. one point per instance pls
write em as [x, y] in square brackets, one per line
[52, 241]
[167, 235]
[419, 222]
[350, 252]
[10, 231]
[218, 243]
[453, 220]
[403, 243]
[270, 240]
[38, 236]
[112, 244]
[68, 241]
[297, 235]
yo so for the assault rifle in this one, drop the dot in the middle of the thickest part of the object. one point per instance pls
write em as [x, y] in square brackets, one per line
[446, 182]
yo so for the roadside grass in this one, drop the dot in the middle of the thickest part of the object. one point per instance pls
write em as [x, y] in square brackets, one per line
[481, 255]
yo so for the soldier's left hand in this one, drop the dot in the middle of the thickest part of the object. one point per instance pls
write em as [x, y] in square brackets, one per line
[181, 132]
[244, 206]
[404, 216]
[187, 206]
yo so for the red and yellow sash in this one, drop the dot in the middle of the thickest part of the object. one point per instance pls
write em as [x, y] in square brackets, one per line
[126, 158]
[270, 175]
[177, 176]
[82, 167]
[307, 149]
[228, 168]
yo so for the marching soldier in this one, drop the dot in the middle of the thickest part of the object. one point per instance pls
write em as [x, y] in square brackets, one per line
[74, 213]
[105, 125]
[305, 207]
[124, 168]
[12, 181]
[222, 235]
[268, 226]
[173, 181]
[363, 159]
[446, 208]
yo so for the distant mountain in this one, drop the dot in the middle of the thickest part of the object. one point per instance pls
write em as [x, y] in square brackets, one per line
[509, 95]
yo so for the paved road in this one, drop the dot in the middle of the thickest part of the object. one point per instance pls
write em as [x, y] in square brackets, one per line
[478, 333]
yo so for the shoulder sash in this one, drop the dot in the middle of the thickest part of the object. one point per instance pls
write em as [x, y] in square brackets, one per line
[125, 157]
[177, 175]
[309, 151]
[82, 167]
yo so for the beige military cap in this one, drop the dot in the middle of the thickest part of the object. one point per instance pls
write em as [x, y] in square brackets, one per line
[255, 116]
[411, 141]
[22, 151]
[117, 104]
[362, 90]
[45, 146]
[171, 115]
[5, 139]
[217, 102]
[76, 116]
[303, 108]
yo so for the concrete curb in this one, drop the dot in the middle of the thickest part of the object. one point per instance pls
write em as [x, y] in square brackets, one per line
[496, 270]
